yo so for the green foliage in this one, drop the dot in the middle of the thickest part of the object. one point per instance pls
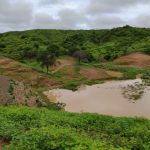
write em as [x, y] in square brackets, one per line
[53, 48]
[29, 53]
[33, 129]
[129, 72]
[146, 77]
[11, 88]
[47, 59]
[2, 45]
[53, 138]
[107, 44]
[74, 83]
[77, 69]
[34, 64]
[56, 106]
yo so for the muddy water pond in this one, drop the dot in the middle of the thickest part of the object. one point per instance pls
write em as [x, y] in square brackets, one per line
[117, 98]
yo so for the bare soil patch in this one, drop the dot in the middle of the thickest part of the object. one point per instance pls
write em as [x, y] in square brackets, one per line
[134, 60]
[6, 62]
[115, 74]
[3, 143]
[98, 74]
[61, 63]
[68, 72]
[4, 87]
[67, 60]
[14, 92]
[23, 73]
[94, 74]
[28, 87]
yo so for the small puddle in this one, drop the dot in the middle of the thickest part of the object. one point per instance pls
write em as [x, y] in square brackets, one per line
[118, 98]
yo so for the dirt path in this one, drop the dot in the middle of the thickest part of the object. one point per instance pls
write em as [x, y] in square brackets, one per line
[66, 61]
[58, 69]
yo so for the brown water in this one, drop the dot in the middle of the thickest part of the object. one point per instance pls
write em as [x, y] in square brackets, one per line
[106, 98]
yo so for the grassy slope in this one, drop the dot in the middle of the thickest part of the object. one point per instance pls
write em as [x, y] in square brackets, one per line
[67, 76]
[32, 128]
[28, 84]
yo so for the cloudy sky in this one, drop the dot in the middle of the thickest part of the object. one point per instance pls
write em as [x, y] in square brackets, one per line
[72, 14]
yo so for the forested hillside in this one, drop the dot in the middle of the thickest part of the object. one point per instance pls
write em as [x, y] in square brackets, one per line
[97, 44]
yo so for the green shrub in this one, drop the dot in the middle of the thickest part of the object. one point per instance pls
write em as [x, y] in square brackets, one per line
[38, 128]
[54, 138]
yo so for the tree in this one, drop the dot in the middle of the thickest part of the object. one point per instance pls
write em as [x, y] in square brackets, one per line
[29, 52]
[80, 55]
[36, 45]
[47, 59]
[74, 41]
[95, 37]
[2, 45]
[54, 48]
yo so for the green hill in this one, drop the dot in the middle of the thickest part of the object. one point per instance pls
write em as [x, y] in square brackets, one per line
[98, 44]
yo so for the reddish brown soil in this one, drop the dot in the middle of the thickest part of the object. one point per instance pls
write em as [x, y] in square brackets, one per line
[3, 143]
[29, 84]
[115, 74]
[97, 74]
[4, 87]
[92, 73]
[23, 73]
[134, 60]
[68, 72]
[61, 63]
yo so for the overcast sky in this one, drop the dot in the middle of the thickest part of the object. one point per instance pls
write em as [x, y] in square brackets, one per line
[72, 14]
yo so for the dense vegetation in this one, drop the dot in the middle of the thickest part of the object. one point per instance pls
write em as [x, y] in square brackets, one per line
[24, 128]
[40, 129]
[98, 45]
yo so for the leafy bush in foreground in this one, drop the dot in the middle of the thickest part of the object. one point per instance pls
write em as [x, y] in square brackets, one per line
[34, 128]
[54, 138]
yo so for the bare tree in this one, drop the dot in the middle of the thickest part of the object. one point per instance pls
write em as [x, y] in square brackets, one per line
[80, 55]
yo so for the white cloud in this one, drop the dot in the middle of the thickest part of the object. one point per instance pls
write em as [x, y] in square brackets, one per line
[72, 14]
[108, 21]
[15, 12]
